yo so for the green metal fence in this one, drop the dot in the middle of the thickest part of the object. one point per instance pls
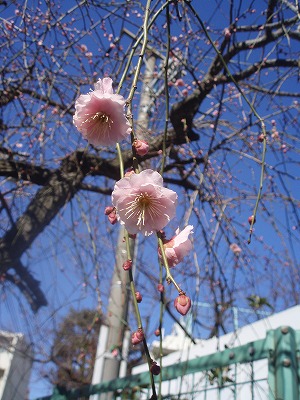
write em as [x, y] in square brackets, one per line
[266, 369]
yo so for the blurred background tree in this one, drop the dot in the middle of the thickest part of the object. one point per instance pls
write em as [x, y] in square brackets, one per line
[74, 349]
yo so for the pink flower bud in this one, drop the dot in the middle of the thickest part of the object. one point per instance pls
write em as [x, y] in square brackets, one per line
[141, 147]
[182, 304]
[137, 337]
[138, 297]
[260, 138]
[155, 369]
[109, 210]
[160, 288]
[127, 265]
[250, 219]
[236, 249]
[227, 33]
[157, 332]
[179, 82]
[112, 217]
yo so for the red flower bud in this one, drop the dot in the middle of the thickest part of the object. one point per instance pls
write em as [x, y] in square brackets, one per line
[127, 265]
[112, 217]
[160, 288]
[182, 304]
[260, 138]
[250, 219]
[109, 210]
[155, 369]
[137, 337]
[179, 82]
[138, 297]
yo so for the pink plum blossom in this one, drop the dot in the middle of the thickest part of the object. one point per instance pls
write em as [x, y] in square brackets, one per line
[99, 115]
[142, 203]
[179, 246]
[182, 304]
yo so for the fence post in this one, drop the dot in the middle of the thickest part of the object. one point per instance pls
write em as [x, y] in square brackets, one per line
[283, 366]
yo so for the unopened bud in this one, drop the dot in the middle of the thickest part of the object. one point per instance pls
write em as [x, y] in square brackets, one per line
[141, 147]
[137, 337]
[157, 332]
[227, 33]
[250, 219]
[108, 210]
[160, 288]
[138, 297]
[182, 304]
[127, 265]
[112, 217]
[260, 138]
[155, 369]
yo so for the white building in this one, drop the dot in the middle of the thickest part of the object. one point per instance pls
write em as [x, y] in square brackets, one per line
[15, 366]
[250, 380]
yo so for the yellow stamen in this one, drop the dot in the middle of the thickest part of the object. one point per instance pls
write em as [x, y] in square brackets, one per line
[140, 205]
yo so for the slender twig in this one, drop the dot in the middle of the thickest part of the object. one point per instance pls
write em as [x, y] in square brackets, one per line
[261, 121]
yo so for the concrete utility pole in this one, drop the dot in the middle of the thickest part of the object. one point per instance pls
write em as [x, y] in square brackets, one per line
[113, 333]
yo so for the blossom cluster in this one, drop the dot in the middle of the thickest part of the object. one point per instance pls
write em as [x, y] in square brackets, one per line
[140, 201]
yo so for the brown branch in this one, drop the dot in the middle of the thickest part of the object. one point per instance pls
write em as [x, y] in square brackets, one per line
[28, 285]
[246, 73]
[20, 170]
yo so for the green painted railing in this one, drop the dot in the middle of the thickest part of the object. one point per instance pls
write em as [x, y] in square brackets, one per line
[280, 348]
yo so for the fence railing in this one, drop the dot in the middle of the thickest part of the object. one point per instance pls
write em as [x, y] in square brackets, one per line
[265, 369]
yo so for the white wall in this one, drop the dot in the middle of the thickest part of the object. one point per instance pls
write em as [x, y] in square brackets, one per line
[15, 366]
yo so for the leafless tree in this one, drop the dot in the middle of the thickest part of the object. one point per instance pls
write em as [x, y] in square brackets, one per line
[221, 74]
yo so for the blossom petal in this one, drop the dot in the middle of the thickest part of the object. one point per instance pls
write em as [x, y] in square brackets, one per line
[104, 85]
[179, 246]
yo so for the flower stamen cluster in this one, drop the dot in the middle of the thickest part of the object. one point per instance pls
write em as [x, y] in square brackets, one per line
[142, 205]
